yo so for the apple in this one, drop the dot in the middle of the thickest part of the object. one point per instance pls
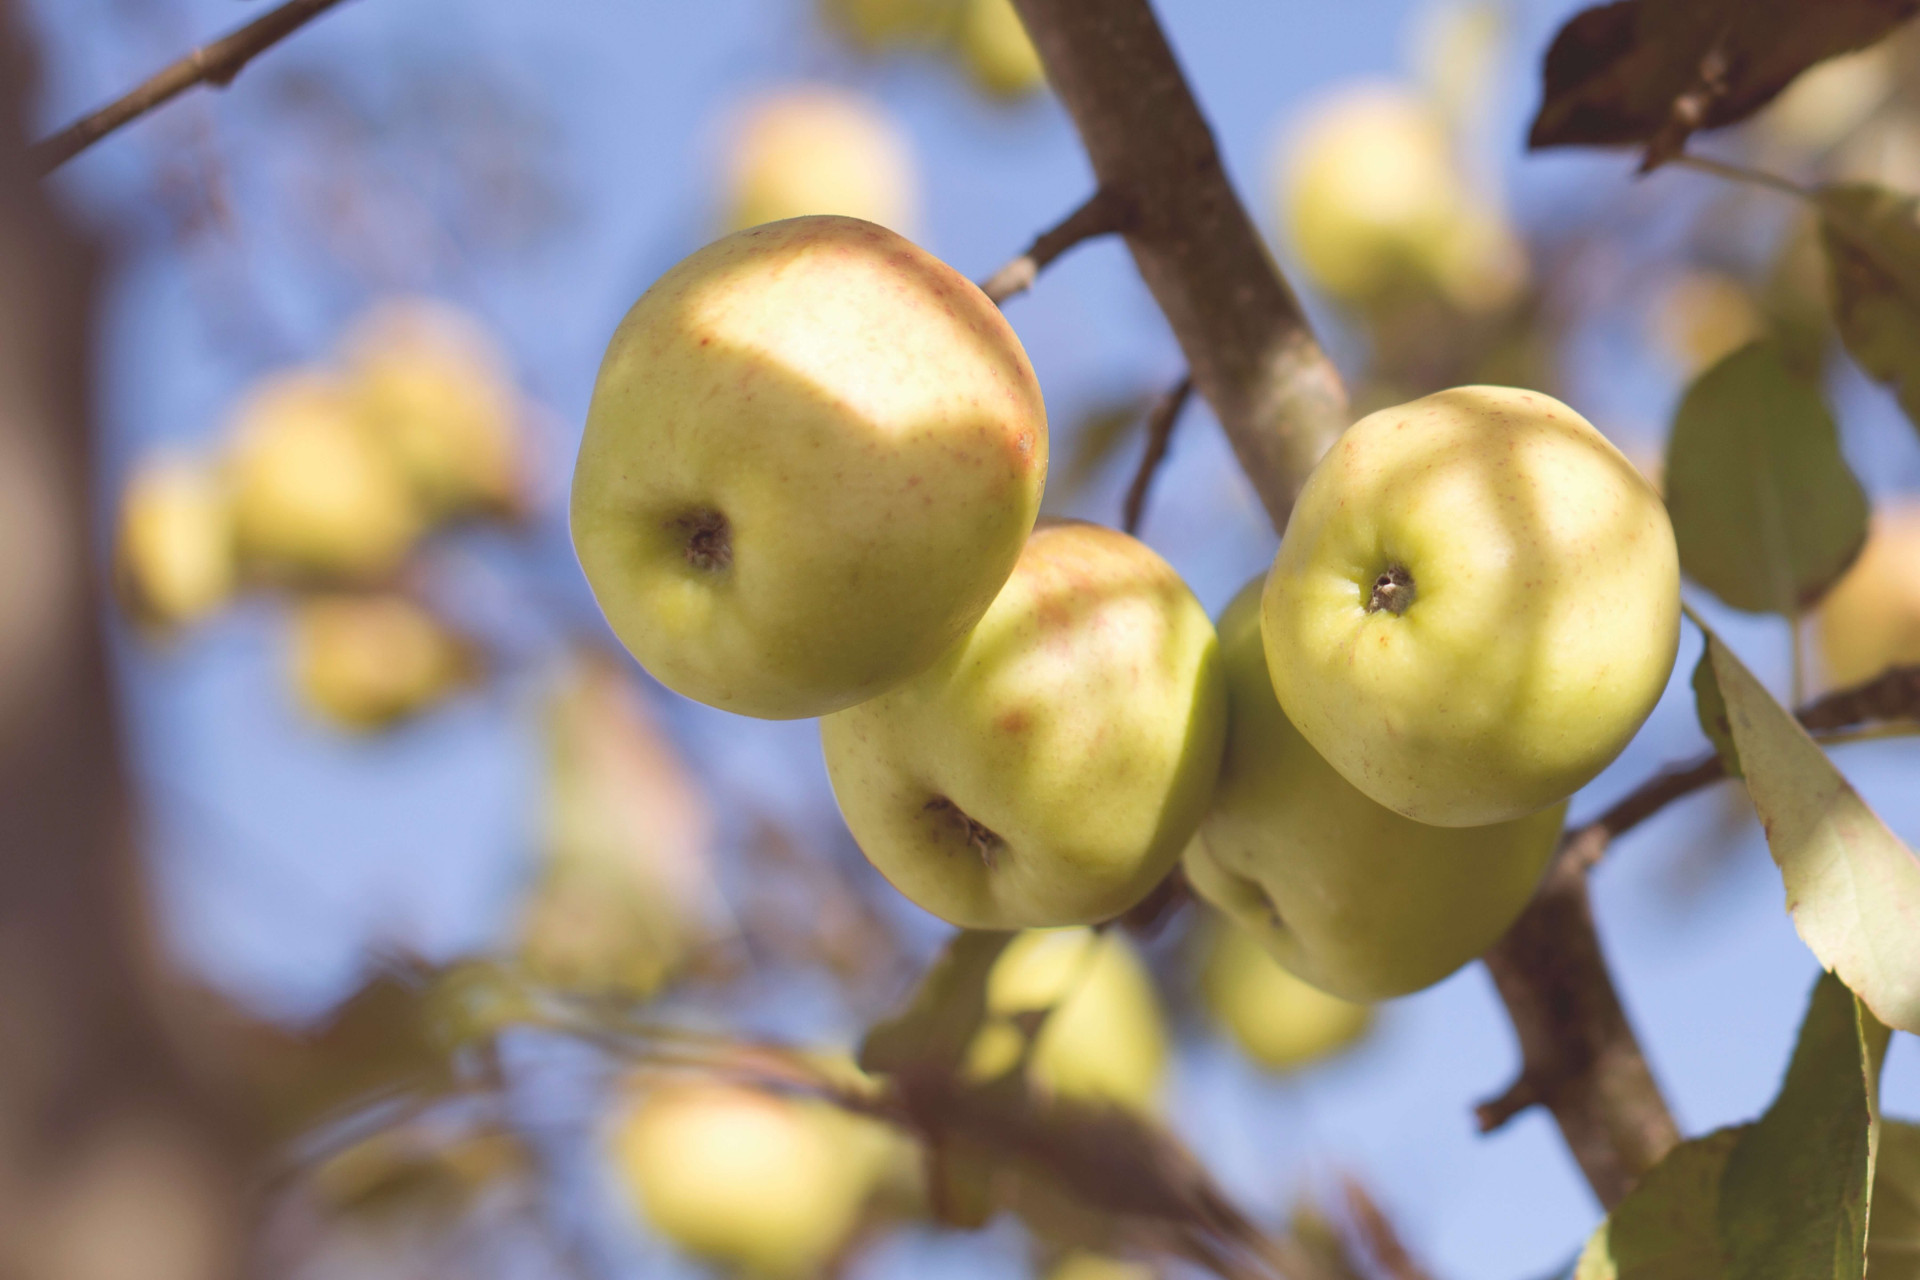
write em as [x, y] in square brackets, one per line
[430, 382]
[1082, 1265]
[1372, 199]
[1104, 1039]
[1280, 1021]
[876, 26]
[1350, 896]
[316, 493]
[812, 457]
[814, 149]
[1475, 605]
[1870, 620]
[996, 51]
[1050, 767]
[365, 662]
[174, 557]
[771, 1186]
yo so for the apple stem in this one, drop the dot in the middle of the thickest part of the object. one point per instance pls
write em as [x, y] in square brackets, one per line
[982, 837]
[1392, 591]
[709, 539]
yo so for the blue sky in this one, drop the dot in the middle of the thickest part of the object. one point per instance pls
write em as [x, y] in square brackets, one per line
[281, 852]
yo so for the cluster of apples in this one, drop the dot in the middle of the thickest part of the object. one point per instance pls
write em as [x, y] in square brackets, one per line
[808, 486]
[329, 476]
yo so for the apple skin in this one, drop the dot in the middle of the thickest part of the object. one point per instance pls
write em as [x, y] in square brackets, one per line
[1345, 893]
[367, 662]
[1050, 767]
[174, 556]
[771, 1186]
[1870, 620]
[812, 457]
[1544, 613]
[1280, 1021]
[1105, 1039]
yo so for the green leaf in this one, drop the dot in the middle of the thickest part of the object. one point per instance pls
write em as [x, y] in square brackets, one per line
[1893, 1230]
[1711, 709]
[1793, 1199]
[1665, 1228]
[1852, 886]
[934, 1032]
[1654, 71]
[1766, 513]
[1872, 238]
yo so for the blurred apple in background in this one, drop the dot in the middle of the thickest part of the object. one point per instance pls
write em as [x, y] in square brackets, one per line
[430, 383]
[793, 572]
[1104, 1040]
[818, 149]
[1049, 768]
[771, 1186]
[316, 493]
[1082, 1265]
[366, 662]
[1702, 314]
[1372, 200]
[625, 887]
[1870, 620]
[174, 555]
[996, 51]
[1278, 1020]
[880, 26]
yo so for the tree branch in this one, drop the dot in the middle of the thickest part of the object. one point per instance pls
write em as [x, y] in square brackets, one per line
[1579, 1056]
[214, 64]
[1106, 212]
[1160, 423]
[1246, 340]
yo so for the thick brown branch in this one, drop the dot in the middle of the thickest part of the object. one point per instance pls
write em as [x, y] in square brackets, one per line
[1105, 213]
[1580, 1058]
[214, 64]
[1160, 423]
[1251, 351]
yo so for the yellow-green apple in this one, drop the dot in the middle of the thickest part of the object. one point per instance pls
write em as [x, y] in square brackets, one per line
[432, 384]
[1347, 894]
[818, 149]
[316, 493]
[812, 457]
[1871, 619]
[174, 557]
[365, 662]
[1372, 198]
[1104, 1039]
[1049, 768]
[770, 1186]
[1082, 1265]
[1475, 605]
[996, 51]
[1279, 1020]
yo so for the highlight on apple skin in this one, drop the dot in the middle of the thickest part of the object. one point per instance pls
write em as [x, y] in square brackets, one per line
[1475, 605]
[812, 457]
[1345, 893]
[1051, 766]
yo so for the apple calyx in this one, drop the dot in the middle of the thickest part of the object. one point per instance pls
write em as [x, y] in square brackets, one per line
[1392, 591]
[709, 539]
[985, 841]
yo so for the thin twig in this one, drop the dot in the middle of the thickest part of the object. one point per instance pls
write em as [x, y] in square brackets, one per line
[1742, 174]
[1161, 420]
[214, 64]
[1106, 212]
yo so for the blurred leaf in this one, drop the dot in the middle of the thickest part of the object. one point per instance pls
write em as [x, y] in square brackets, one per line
[1711, 708]
[1852, 886]
[626, 889]
[933, 1034]
[1665, 1228]
[1098, 436]
[1793, 1199]
[412, 1172]
[1893, 1232]
[1654, 71]
[1872, 238]
[1765, 511]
